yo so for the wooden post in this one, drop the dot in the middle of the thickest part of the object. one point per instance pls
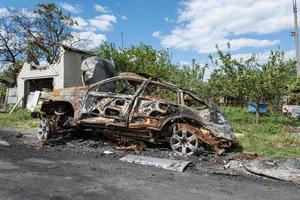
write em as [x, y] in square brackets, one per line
[6, 99]
[16, 105]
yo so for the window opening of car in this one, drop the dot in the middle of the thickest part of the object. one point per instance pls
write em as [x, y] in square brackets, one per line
[192, 102]
[160, 92]
[122, 86]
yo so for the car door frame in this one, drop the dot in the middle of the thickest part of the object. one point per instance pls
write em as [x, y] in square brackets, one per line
[132, 100]
[159, 84]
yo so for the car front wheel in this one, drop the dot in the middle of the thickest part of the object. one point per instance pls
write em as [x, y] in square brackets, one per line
[184, 142]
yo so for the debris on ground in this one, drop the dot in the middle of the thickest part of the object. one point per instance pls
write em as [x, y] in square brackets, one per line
[232, 163]
[174, 165]
[70, 145]
[4, 143]
[108, 152]
[19, 135]
[287, 169]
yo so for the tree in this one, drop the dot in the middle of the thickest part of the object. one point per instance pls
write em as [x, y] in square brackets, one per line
[225, 80]
[31, 36]
[11, 50]
[192, 77]
[45, 29]
[268, 82]
[140, 58]
[248, 79]
[145, 59]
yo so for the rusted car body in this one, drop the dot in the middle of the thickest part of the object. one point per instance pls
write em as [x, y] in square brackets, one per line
[138, 108]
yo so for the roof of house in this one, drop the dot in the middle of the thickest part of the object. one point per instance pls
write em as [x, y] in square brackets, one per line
[76, 50]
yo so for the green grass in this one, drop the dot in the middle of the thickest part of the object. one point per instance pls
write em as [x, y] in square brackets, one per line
[268, 138]
[18, 119]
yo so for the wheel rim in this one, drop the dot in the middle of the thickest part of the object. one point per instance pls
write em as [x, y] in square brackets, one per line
[43, 131]
[184, 142]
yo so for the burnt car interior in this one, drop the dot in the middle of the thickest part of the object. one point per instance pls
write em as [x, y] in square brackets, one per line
[111, 99]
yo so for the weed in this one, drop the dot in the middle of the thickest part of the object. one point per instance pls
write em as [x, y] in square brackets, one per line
[268, 138]
[20, 118]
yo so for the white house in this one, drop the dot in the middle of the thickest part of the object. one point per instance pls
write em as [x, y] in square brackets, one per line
[65, 73]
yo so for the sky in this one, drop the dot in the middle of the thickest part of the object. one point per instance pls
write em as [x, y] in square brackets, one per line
[189, 29]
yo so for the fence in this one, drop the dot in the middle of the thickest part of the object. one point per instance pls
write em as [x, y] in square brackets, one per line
[2, 102]
[228, 102]
[11, 98]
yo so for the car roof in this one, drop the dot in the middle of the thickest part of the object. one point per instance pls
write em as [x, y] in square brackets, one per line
[143, 76]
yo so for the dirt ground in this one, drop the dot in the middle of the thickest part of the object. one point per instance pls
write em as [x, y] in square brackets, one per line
[79, 169]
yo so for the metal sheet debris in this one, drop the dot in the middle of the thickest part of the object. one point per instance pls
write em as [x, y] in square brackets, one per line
[287, 169]
[4, 143]
[33, 101]
[174, 165]
[107, 152]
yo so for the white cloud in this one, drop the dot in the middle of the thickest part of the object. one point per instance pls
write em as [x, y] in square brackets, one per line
[103, 22]
[156, 34]
[82, 23]
[88, 39]
[101, 9]
[71, 8]
[203, 24]
[290, 54]
[262, 57]
[88, 31]
[124, 17]
[3, 12]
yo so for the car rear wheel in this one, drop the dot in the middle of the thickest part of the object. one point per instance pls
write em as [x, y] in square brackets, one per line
[44, 130]
[184, 142]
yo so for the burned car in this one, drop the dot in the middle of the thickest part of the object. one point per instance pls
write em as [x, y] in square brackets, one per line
[140, 108]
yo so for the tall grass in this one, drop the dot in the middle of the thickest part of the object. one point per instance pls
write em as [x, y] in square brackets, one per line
[269, 137]
[20, 118]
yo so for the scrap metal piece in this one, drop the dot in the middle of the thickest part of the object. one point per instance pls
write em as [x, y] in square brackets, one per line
[4, 143]
[174, 165]
[287, 169]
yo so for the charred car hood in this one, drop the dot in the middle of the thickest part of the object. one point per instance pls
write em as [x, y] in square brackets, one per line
[213, 120]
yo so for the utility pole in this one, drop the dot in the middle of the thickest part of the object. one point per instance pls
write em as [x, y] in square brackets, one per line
[296, 37]
[122, 39]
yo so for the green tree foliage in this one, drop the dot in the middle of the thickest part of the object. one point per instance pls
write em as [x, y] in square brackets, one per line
[226, 79]
[157, 63]
[192, 76]
[265, 83]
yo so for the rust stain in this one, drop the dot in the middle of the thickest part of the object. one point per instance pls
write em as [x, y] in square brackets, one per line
[207, 137]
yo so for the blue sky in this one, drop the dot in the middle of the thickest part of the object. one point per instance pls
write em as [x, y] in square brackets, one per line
[188, 28]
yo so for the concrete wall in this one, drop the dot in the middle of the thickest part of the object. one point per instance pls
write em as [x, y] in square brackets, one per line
[12, 96]
[72, 69]
[65, 73]
[55, 71]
